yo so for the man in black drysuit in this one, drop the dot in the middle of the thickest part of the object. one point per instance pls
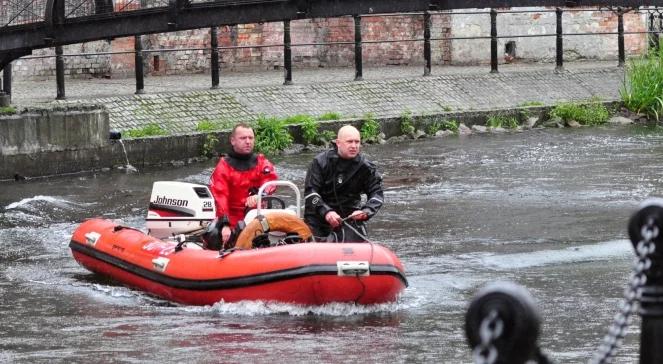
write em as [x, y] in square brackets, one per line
[334, 184]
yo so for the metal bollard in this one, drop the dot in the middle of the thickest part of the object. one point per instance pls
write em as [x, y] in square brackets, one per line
[642, 227]
[502, 325]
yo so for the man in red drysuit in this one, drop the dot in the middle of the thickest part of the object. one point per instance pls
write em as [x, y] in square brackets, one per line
[237, 178]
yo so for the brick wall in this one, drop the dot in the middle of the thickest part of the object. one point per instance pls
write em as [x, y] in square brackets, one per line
[193, 55]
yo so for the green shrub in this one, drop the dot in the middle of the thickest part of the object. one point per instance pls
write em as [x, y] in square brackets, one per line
[152, 129]
[271, 135]
[330, 116]
[407, 126]
[643, 86]
[502, 121]
[592, 113]
[370, 129]
[210, 144]
[451, 125]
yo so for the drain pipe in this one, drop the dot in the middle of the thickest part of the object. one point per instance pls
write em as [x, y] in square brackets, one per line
[114, 135]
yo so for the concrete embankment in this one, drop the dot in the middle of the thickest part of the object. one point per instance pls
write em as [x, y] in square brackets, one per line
[40, 140]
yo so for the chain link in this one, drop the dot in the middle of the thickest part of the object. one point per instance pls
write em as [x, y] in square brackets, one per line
[632, 294]
[491, 329]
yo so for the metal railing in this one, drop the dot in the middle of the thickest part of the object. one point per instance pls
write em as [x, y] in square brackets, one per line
[655, 23]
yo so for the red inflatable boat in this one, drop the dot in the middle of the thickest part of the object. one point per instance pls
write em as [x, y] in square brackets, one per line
[305, 273]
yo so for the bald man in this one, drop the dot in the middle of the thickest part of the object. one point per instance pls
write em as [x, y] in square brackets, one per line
[335, 183]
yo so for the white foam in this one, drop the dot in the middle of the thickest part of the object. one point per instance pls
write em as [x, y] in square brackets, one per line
[26, 202]
[594, 252]
[262, 308]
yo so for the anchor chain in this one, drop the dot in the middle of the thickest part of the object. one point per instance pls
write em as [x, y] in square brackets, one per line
[490, 330]
[632, 295]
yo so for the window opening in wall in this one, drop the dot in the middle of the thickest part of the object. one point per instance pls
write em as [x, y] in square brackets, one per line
[510, 51]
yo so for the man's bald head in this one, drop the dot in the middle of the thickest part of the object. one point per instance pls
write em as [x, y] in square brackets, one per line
[348, 142]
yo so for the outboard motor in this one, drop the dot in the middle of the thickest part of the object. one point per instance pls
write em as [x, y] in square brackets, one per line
[179, 208]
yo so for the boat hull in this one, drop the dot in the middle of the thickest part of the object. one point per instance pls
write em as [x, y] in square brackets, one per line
[306, 274]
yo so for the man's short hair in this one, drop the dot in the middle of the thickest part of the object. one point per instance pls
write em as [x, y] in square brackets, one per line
[240, 125]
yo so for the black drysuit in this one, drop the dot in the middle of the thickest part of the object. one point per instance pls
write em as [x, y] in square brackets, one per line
[336, 184]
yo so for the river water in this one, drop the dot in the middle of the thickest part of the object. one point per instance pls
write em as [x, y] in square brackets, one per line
[546, 208]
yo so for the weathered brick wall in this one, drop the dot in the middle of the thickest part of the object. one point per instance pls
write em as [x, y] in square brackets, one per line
[41, 64]
[374, 28]
[543, 48]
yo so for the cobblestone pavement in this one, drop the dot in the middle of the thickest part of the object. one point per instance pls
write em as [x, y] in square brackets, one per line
[179, 103]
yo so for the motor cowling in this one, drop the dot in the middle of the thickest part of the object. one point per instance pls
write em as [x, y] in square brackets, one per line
[179, 208]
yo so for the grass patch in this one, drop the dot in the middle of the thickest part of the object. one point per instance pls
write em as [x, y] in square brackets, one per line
[592, 113]
[207, 125]
[370, 129]
[643, 87]
[329, 116]
[502, 121]
[7, 110]
[531, 103]
[152, 129]
[271, 135]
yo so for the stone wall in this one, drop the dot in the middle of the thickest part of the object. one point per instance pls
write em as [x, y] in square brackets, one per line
[55, 140]
[187, 51]
[597, 47]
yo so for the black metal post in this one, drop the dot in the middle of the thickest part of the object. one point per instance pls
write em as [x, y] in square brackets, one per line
[287, 53]
[560, 41]
[214, 61]
[493, 41]
[427, 49]
[7, 80]
[620, 36]
[59, 73]
[647, 220]
[140, 72]
[359, 72]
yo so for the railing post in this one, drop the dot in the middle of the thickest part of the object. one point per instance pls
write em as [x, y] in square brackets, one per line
[59, 73]
[359, 72]
[287, 53]
[493, 41]
[647, 220]
[214, 61]
[560, 41]
[620, 36]
[138, 66]
[7, 80]
[427, 49]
